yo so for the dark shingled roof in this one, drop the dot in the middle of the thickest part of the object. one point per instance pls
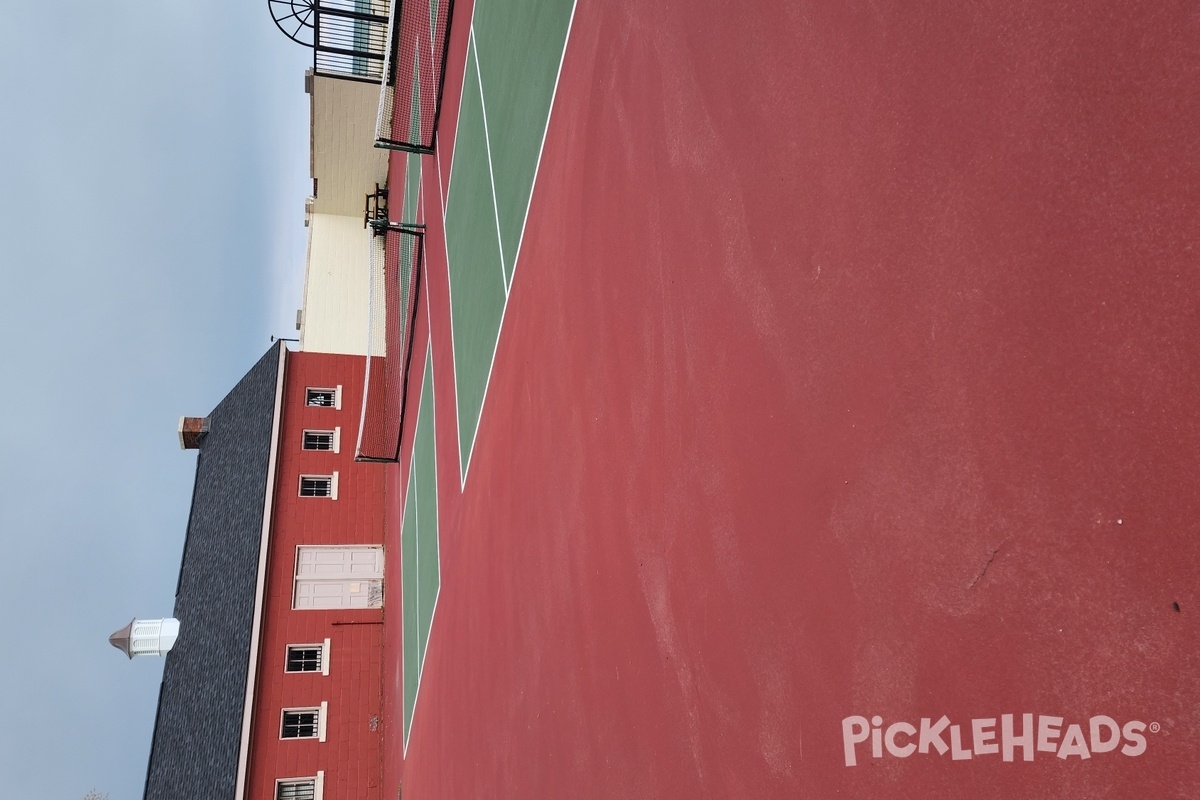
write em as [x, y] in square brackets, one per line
[199, 724]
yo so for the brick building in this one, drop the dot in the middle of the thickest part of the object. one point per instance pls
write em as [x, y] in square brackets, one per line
[272, 687]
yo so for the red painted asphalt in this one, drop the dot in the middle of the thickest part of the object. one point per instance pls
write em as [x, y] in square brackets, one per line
[849, 369]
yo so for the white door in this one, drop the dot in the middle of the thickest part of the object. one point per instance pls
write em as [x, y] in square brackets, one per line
[339, 577]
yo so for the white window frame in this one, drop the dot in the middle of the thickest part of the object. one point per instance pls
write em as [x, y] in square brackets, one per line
[318, 782]
[322, 716]
[335, 435]
[287, 651]
[333, 486]
[337, 395]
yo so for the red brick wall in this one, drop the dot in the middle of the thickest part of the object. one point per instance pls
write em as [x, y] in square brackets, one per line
[350, 755]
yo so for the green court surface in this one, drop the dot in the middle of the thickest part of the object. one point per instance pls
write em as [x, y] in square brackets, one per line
[477, 288]
[512, 64]
[412, 187]
[420, 568]
[513, 58]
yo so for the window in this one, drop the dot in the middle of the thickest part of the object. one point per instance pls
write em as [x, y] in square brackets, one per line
[301, 788]
[304, 658]
[319, 486]
[322, 440]
[308, 658]
[320, 397]
[303, 723]
[305, 789]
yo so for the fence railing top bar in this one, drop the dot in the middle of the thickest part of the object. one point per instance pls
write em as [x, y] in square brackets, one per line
[381, 6]
[325, 10]
[345, 51]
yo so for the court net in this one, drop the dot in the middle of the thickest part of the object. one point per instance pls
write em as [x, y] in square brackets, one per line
[410, 99]
[396, 256]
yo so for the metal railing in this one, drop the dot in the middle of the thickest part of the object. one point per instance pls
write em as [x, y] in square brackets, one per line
[350, 39]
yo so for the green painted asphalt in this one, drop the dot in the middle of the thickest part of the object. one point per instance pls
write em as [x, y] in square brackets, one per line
[420, 571]
[477, 292]
[519, 45]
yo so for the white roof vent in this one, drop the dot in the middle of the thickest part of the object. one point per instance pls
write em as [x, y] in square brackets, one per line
[146, 637]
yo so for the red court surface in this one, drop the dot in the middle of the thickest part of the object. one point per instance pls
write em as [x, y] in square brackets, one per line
[850, 370]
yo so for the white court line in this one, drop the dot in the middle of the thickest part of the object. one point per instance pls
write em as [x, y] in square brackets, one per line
[416, 426]
[416, 509]
[441, 190]
[457, 127]
[464, 467]
[542, 146]
[516, 258]
[438, 594]
[410, 495]
[446, 246]
[487, 145]
[419, 211]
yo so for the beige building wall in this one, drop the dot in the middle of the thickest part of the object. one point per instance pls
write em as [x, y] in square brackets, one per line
[345, 166]
[345, 163]
[337, 285]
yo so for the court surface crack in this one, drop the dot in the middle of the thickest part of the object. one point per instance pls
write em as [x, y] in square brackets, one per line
[986, 564]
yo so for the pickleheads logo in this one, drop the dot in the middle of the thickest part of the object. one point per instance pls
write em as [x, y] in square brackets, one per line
[980, 738]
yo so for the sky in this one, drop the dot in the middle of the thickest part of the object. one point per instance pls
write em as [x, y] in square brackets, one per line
[153, 166]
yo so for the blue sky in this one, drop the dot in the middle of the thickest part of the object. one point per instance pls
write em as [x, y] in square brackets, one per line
[153, 159]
